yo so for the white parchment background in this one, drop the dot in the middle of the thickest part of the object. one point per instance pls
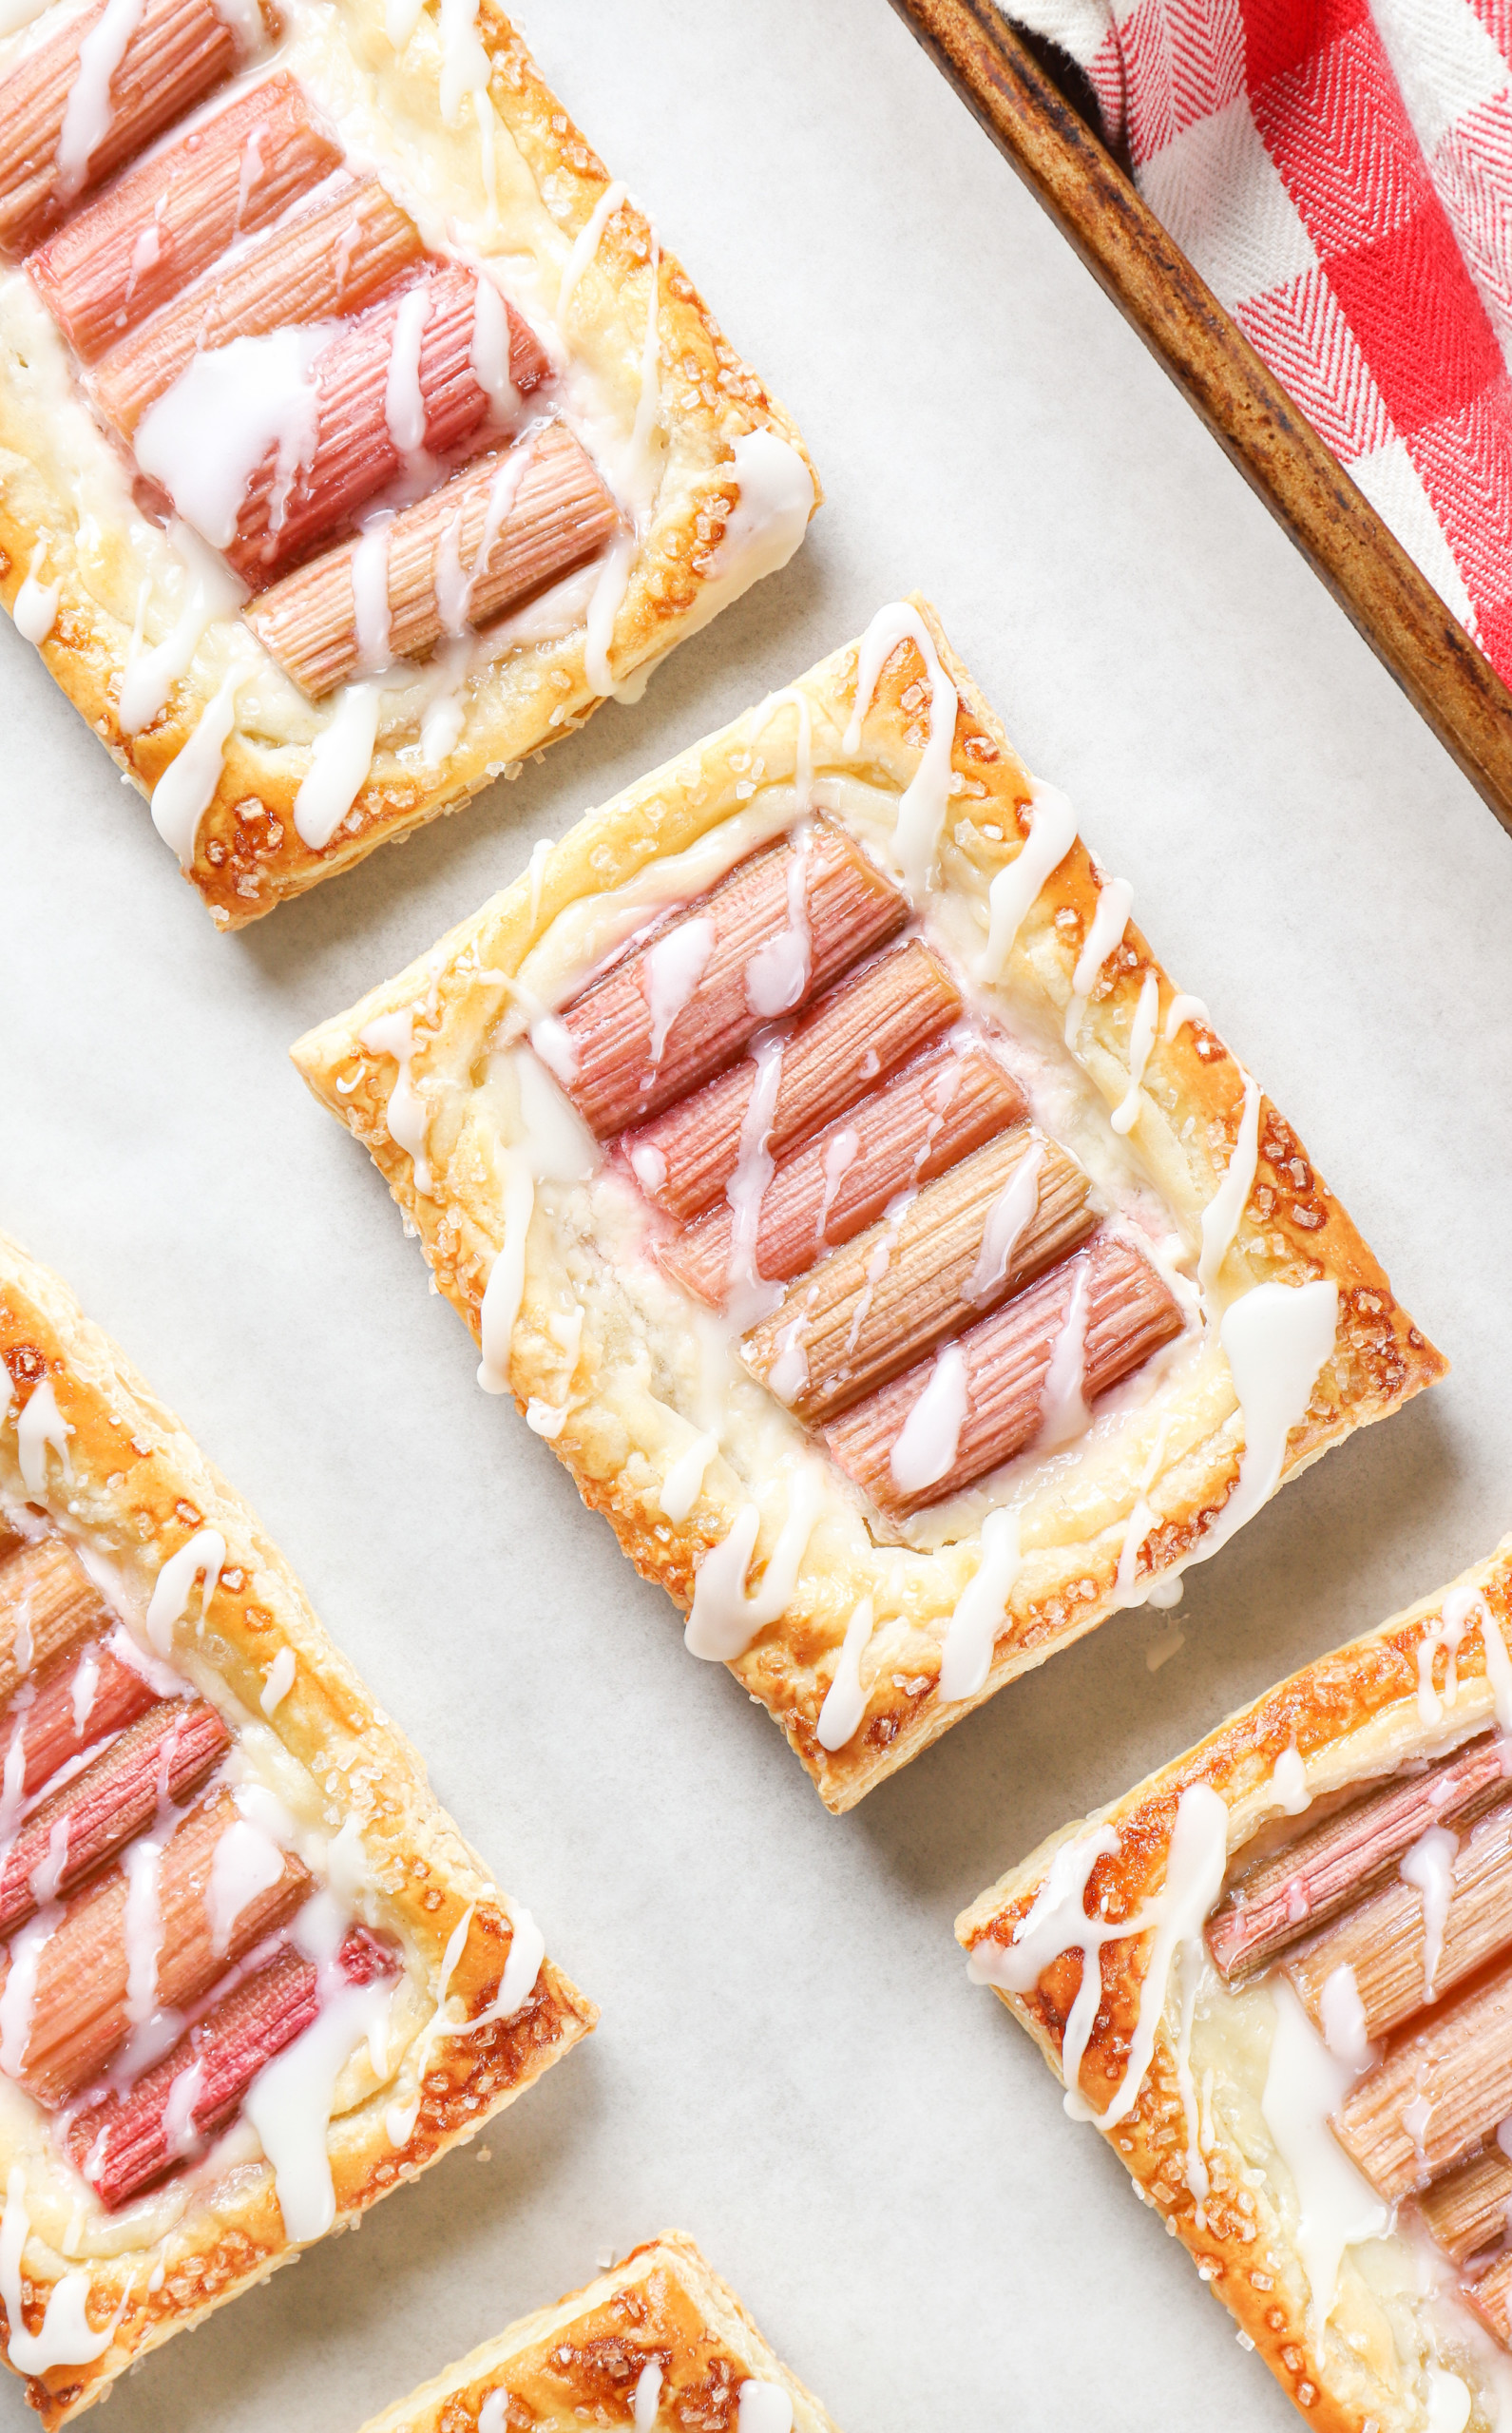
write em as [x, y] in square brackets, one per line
[792, 2065]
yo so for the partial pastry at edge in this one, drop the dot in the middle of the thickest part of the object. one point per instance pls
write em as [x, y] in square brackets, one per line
[1277, 1975]
[359, 435]
[823, 1159]
[658, 2343]
[250, 1977]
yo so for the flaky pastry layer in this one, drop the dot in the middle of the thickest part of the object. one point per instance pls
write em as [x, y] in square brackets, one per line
[662, 2308]
[621, 1402]
[65, 489]
[135, 1489]
[1355, 1716]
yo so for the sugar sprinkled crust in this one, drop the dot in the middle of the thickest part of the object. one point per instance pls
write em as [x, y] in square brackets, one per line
[1353, 1717]
[628, 1390]
[64, 486]
[663, 2305]
[140, 1489]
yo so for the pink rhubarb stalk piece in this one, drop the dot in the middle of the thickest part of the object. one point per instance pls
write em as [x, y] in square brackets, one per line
[1402, 1960]
[84, 1696]
[121, 2144]
[539, 507]
[669, 1015]
[141, 243]
[1466, 2211]
[176, 54]
[165, 1754]
[1309, 1881]
[1128, 1312]
[78, 2013]
[858, 1035]
[354, 455]
[335, 258]
[47, 1602]
[872, 1308]
[935, 1113]
[1436, 2095]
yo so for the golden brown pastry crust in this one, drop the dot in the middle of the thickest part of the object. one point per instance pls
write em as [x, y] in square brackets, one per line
[140, 1489]
[580, 2359]
[1351, 1717]
[249, 854]
[620, 1433]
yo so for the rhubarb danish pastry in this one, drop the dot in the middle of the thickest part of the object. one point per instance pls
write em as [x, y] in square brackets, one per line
[902, 1263]
[658, 2343]
[251, 1978]
[357, 436]
[1277, 1976]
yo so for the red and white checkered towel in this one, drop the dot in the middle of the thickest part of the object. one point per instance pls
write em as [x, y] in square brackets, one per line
[1340, 172]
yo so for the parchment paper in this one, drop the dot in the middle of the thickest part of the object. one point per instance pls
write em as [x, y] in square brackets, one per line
[792, 2065]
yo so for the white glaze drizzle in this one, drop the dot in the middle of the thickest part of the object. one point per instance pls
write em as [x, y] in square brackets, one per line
[279, 1681]
[1141, 1038]
[1341, 2015]
[1011, 1211]
[289, 2105]
[926, 1445]
[187, 786]
[1428, 1867]
[466, 69]
[1305, 2084]
[88, 111]
[371, 614]
[504, 1288]
[1289, 1782]
[670, 972]
[1182, 1009]
[776, 974]
[839, 1157]
[406, 1113]
[245, 1864]
[555, 1146]
[211, 592]
[1052, 833]
[208, 432]
[1447, 1633]
[404, 409]
[844, 1700]
[683, 1483]
[1277, 1338]
[489, 351]
[65, 2337]
[1110, 920]
[1458, 1606]
[753, 1169]
[205, 1552]
[42, 1423]
[765, 2407]
[339, 763]
[725, 1616]
[585, 244]
[981, 1610]
[1221, 1216]
[34, 610]
[1063, 1411]
[648, 2397]
[922, 809]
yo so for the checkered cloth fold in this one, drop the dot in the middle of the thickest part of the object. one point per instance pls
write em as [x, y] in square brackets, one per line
[1340, 172]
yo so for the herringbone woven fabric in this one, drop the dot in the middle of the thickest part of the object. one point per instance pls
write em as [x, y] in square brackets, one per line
[1340, 172]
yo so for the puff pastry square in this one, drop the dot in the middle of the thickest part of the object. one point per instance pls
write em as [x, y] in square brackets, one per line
[253, 1977]
[357, 433]
[1277, 1975]
[658, 2343]
[581, 1104]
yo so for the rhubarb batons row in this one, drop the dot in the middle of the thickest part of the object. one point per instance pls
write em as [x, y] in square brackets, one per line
[676, 1009]
[112, 265]
[490, 536]
[80, 105]
[121, 2144]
